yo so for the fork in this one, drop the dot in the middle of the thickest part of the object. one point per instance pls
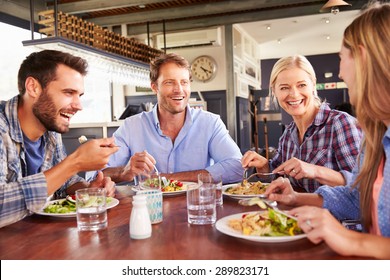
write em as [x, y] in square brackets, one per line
[263, 204]
[82, 139]
[271, 175]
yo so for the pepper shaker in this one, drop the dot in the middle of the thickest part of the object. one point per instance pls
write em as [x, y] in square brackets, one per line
[140, 226]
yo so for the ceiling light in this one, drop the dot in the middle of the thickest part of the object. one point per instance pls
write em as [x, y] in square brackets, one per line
[326, 20]
[268, 26]
[333, 6]
[279, 41]
[327, 37]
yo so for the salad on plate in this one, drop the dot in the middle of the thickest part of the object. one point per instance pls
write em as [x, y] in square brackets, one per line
[265, 223]
[172, 186]
[67, 205]
[166, 185]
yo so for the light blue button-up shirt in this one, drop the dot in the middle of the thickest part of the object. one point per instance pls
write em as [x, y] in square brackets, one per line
[202, 143]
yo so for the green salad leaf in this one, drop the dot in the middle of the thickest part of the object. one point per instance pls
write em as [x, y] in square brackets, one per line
[64, 206]
[61, 207]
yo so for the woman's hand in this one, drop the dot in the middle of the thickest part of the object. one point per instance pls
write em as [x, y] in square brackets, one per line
[297, 169]
[320, 225]
[253, 159]
[281, 191]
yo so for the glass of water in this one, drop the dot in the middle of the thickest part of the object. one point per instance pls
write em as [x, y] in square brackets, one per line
[206, 178]
[91, 209]
[201, 207]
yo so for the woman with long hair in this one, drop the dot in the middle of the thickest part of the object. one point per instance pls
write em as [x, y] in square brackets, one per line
[364, 67]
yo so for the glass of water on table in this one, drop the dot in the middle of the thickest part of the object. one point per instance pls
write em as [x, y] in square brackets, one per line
[206, 178]
[91, 209]
[201, 208]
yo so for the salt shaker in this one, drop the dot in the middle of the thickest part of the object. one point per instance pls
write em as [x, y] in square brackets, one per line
[140, 226]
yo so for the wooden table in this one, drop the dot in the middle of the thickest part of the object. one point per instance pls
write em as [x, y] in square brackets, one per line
[42, 237]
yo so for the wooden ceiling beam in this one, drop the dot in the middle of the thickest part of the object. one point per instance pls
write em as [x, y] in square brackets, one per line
[99, 5]
[196, 10]
[20, 8]
[189, 24]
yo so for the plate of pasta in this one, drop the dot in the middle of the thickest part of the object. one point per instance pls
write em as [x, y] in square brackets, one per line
[260, 226]
[246, 190]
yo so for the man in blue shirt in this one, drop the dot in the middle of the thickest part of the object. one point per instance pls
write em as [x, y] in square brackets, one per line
[179, 141]
[33, 162]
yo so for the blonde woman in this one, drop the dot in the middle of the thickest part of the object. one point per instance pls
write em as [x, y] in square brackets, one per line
[321, 145]
[364, 66]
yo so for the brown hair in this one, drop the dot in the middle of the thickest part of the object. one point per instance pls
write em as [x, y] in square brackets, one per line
[43, 65]
[156, 64]
[370, 31]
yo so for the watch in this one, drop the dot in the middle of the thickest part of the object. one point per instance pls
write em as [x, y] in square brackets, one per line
[204, 68]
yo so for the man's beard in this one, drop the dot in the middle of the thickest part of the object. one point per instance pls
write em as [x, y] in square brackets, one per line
[45, 111]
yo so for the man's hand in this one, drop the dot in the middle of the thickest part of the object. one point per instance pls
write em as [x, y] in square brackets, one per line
[93, 155]
[103, 182]
[138, 163]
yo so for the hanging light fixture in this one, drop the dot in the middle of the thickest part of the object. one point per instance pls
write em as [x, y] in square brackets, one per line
[333, 6]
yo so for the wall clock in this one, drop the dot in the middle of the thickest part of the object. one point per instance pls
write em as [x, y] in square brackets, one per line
[204, 68]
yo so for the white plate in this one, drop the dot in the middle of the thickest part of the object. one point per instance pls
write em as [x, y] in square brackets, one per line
[182, 191]
[114, 202]
[173, 193]
[238, 196]
[222, 225]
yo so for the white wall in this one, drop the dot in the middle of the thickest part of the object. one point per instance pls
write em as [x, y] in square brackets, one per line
[190, 53]
[12, 53]
[96, 100]
[216, 52]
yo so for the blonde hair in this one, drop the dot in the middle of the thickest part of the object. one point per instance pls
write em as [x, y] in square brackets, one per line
[368, 39]
[289, 62]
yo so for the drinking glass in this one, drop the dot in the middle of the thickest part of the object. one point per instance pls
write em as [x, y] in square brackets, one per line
[149, 181]
[206, 178]
[91, 209]
[201, 207]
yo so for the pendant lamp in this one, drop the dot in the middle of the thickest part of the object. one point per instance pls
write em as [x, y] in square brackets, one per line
[333, 6]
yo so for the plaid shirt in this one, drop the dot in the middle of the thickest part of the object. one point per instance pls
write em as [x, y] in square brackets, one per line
[21, 194]
[332, 140]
